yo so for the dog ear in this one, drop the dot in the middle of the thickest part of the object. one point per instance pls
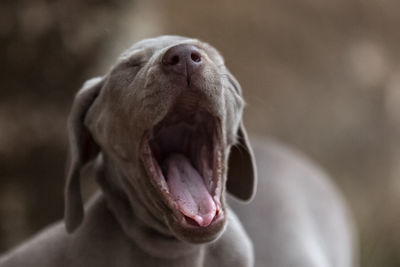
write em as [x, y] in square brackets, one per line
[82, 149]
[242, 172]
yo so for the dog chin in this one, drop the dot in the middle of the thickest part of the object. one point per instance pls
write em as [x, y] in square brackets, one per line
[198, 235]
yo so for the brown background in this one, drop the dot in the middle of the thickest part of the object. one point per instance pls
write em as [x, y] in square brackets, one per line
[320, 75]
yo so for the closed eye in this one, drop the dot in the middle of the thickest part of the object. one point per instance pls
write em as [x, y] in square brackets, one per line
[138, 64]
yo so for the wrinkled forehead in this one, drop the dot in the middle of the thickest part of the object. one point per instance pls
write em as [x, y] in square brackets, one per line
[159, 44]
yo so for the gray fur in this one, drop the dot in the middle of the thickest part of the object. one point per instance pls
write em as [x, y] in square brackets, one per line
[297, 218]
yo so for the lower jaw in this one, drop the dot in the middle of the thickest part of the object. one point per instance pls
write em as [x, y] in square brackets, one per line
[174, 225]
[198, 235]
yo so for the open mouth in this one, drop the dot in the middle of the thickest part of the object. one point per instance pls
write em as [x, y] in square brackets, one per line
[183, 157]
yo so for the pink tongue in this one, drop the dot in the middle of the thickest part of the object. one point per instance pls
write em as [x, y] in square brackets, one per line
[189, 191]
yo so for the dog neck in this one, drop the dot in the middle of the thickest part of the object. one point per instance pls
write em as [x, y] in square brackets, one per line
[147, 232]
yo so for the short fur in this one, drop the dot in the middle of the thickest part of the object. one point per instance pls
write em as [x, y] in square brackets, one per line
[128, 224]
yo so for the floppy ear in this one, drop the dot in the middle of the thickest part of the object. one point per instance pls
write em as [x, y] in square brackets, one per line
[82, 149]
[242, 172]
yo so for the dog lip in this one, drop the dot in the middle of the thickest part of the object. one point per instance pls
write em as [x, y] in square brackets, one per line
[185, 221]
[154, 172]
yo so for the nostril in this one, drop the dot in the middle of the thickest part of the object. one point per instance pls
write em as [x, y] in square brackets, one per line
[171, 60]
[174, 60]
[196, 57]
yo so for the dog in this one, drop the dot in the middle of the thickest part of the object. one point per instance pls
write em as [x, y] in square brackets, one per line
[165, 132]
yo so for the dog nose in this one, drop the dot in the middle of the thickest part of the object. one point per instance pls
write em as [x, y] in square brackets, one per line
[183, 59]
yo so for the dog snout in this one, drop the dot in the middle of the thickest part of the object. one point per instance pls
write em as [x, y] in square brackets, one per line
[183, 59]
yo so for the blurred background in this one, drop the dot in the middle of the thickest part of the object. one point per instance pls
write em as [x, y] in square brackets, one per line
[322, 76]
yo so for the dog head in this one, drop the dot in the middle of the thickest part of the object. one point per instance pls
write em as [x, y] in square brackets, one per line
[167, 121]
